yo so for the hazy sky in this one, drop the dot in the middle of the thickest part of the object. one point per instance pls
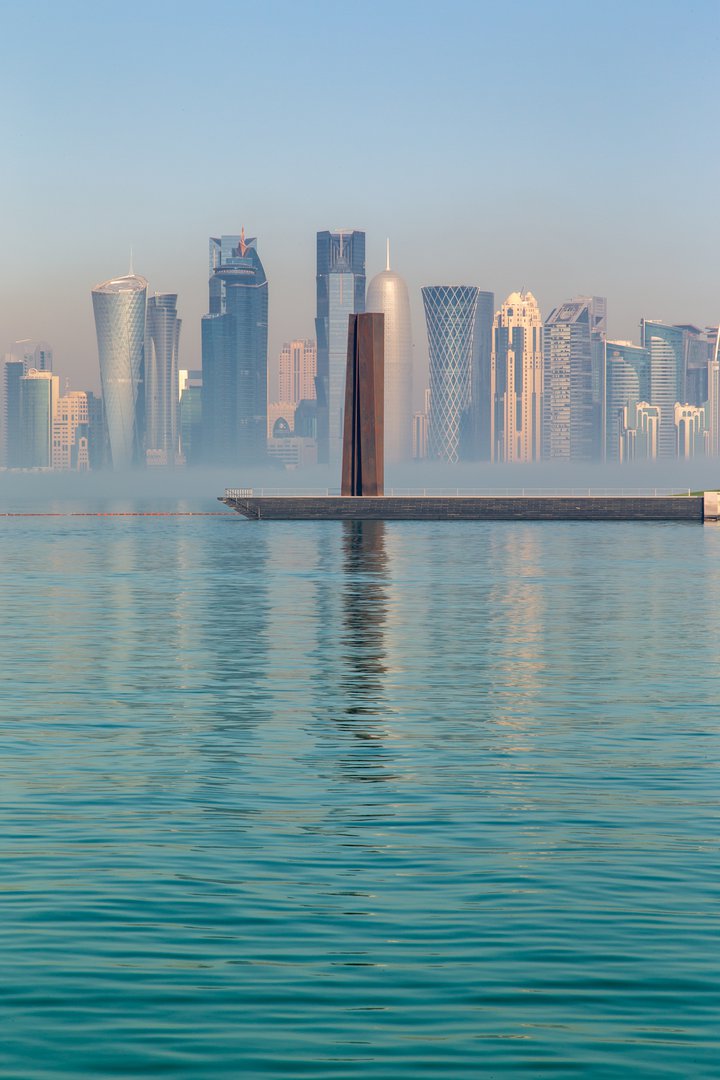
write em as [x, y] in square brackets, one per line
[562, 147]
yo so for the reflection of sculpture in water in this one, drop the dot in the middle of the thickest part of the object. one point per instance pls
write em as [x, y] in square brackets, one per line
[352, 707]
[364, 615]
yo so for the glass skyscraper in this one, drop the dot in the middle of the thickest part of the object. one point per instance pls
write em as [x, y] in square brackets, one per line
[119, 306]
[340, 285]
[162, 343]
[234, 354]
[627, 384]
[574, 379]
[668, 348]
[450, 315]
[480, 426]
[38, 401]
[14, 371]
[34, 354]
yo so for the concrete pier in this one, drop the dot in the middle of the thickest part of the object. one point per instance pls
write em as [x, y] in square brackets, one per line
[470, 507]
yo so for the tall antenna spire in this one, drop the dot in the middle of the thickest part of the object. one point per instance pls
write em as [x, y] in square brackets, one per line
[387, 260]
[131, 272]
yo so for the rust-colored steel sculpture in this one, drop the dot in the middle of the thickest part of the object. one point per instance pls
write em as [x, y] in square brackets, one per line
[362, 460]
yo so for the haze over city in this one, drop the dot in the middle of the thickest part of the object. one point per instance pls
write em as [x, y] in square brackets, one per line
[360, 605]
[503, 147]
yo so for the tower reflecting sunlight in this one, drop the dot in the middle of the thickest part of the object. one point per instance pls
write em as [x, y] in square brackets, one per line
[119, 306]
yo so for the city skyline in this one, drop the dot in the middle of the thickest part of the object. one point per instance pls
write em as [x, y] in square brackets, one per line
[450, 216]
[504, 388]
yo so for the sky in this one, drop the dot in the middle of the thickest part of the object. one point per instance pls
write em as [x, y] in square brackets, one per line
[566, 148]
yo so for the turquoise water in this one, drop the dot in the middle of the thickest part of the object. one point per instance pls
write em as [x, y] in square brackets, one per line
[336, 800]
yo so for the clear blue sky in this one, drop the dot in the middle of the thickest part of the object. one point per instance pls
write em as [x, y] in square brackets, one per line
[564, 147]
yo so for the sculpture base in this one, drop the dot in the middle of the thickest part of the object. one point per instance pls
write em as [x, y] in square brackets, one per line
[468, 508]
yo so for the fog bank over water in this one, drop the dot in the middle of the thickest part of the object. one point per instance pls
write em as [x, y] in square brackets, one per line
[199, 489]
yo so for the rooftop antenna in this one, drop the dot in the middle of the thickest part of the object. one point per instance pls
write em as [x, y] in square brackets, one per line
[131, 272]
[387, 259]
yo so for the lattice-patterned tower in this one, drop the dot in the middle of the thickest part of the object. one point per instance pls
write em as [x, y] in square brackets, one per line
[450, 314]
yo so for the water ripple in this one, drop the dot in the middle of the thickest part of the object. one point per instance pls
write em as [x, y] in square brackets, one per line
[341, 800]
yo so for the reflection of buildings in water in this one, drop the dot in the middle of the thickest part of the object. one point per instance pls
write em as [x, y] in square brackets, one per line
[235, 626]
[185, 617]
[513, 622]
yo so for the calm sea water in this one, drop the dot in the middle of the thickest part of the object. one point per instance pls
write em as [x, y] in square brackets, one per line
[333, 800]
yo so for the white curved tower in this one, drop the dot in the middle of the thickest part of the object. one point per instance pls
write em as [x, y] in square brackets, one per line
[119, 307]
[387, 293]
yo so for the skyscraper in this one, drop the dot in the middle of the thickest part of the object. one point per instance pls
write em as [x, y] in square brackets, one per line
[480, 425]
[162, 343]
[627, 383]
[574, 379]
[639, 425]
[450, 313]
[38, 403]
[598, 337]
[667, 347]
[297, 371]
[190, 416]
[34, 354]
[234, 353]
[14, 370]
[699, 349]
[26, 355]
[387, 293]
[713, 400]
[70, 426]
[340, 286]
[97, 436]
[516, 380]
[119, 306]
[690, 428]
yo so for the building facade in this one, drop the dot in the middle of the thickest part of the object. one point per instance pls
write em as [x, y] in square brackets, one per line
[119, 306]
[38, 403]
[713, 400]
[627, 382]
[234, 355]
[340, 292]
[190, 416]
[668, 348]
[13, 372]
[450, 314]
[71, 448]
[162, 399]
[33, 354]
[574, 380]
[639, 432]
[297, 371]
[280, 410]
[388, 293]
[479, 444]
[516, 380]
[699, 350]
[690, 430]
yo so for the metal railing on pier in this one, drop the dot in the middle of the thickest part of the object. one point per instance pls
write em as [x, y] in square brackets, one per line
[448, 492]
